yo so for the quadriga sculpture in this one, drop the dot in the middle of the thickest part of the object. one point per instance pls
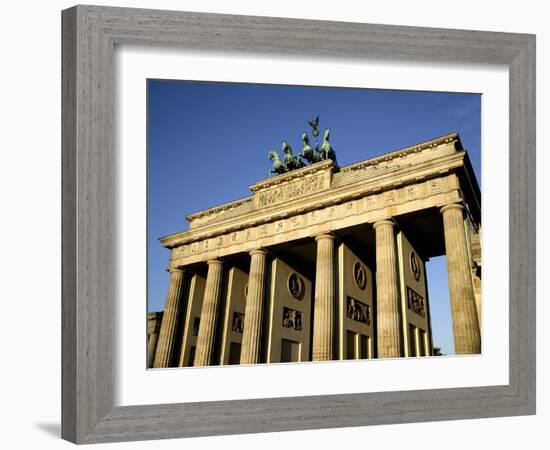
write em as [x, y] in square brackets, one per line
[314, 124]
[291, 162]
[326, 149]
[308, 153]
[278, 166]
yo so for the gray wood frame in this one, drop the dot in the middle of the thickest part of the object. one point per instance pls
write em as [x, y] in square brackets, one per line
[89, 36]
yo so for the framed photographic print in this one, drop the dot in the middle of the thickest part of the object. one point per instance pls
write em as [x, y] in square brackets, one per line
[279, 224]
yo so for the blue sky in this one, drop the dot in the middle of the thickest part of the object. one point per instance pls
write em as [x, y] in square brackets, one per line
[207, 142]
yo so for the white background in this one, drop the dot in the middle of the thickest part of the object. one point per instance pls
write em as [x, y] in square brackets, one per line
[30, 234]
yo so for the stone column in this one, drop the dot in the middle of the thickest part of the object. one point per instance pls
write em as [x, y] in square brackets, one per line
[388, 319]
[171, 317]
[253, 314]
[323, 313]
[467, 337]
[153, 327]
[209, 314]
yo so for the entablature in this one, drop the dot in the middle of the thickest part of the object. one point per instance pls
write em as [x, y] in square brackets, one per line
[409, 175]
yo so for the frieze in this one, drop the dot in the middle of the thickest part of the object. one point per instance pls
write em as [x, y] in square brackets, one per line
[411, 192]
[327, 214]
[250, 234]
[314, 217]
[435, 186]
[332, 212]
[390, 197]
[295, 222]
[370, 202]
[290, 190]
[263, 231]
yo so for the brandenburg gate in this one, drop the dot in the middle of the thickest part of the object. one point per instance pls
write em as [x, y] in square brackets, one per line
[326, 262]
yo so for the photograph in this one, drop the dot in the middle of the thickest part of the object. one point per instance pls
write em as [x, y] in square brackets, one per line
[290, 224]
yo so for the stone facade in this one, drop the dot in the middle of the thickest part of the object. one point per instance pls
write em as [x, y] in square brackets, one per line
[352, 243]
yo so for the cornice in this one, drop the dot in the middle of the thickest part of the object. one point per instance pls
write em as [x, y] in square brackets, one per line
[434, 143]
[420, 172]
[299, 173]
[219, 208]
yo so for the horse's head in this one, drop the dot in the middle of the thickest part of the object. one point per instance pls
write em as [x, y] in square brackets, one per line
[305, 138]
[286, 148]
[272, 155]
[327, 133]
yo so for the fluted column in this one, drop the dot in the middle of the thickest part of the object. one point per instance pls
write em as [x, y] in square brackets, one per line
[466, 332]
[253, 314]
[387, 292]
[171, 317]
[209, 314]
[153, 328]
[323, 324]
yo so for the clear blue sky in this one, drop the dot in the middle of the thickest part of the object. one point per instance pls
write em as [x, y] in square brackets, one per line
[207, 142]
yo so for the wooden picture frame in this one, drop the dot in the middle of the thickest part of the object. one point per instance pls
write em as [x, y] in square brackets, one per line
[90, 34]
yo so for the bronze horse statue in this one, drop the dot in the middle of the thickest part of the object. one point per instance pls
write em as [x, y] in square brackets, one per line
[278, 166]
[291, 162]
[308, 153]
[326, 149]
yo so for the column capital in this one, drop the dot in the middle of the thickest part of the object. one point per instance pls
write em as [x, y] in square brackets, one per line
[214, 261]
[451, 206]
[176, 270]
[257, 251]
[325, 236]
[388, 221]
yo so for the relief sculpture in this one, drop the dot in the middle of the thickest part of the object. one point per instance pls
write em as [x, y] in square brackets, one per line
[290, 191]
[292, 319]
[358, 311]
[415, 302]
[237, 324]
